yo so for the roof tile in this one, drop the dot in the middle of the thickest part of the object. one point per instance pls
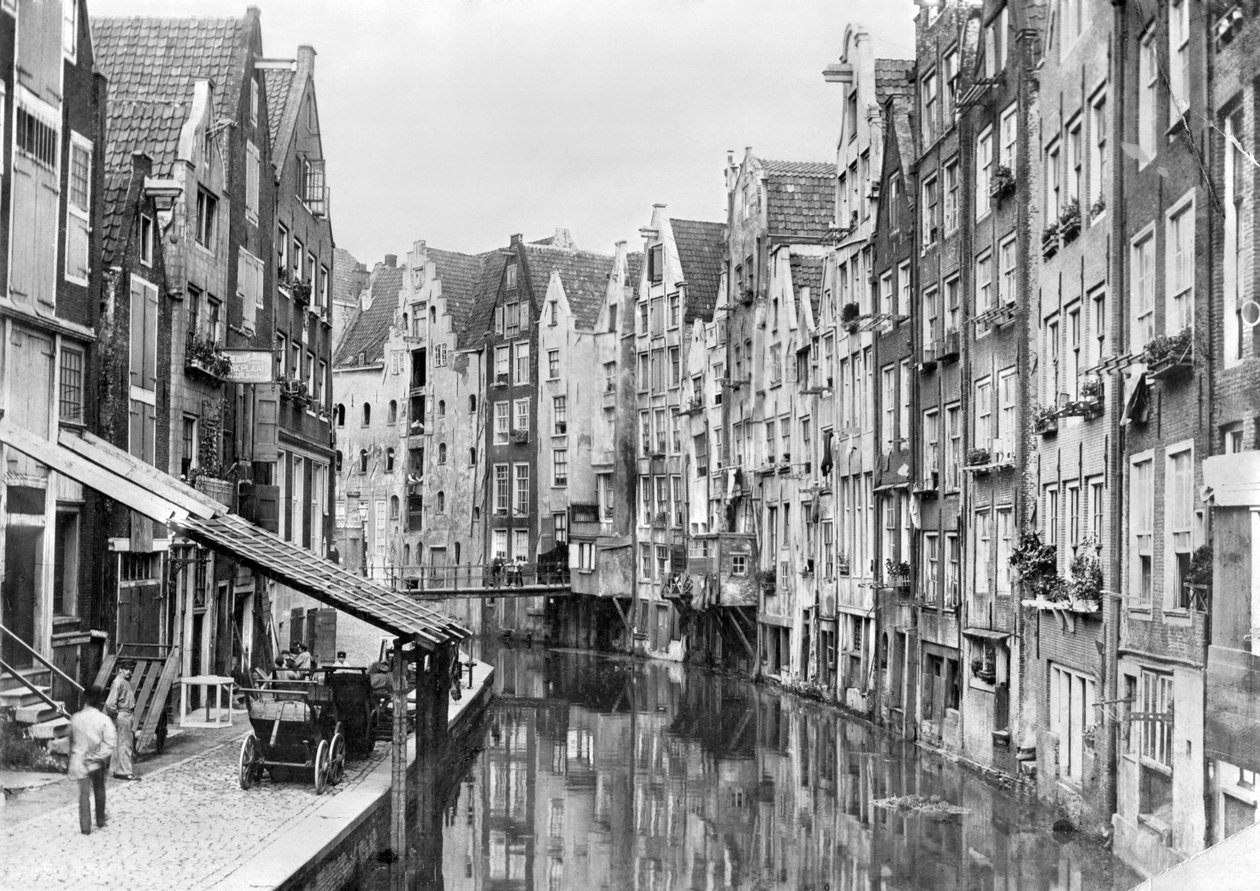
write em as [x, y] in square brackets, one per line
[701, 246]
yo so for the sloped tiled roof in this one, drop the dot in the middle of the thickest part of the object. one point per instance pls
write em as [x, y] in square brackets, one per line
[350, 276]
[152, 65]
[583, 274]
[634, 268]
[800, 197]
[892, 78]
[807, 272]
[460, 275]
[487, 293]
[700, 247]
[900, 113]
[114, 197]
[277, 82]
[368, 329]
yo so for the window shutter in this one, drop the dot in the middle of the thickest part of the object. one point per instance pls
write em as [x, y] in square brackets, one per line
[150, 335]
[76, 246]
[266, 419]
[136, 362]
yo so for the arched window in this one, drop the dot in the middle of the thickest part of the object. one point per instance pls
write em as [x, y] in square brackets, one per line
[441, 453]
[367, 413]
[441, 503]
[389, 460]
[472, 457]
[393, 507]
[392, 416]
[441, 407]
[457, 552]
[362, 460]
[340, 414]
[472, 403]
[406, 555]
[337, 466]
[432, 316]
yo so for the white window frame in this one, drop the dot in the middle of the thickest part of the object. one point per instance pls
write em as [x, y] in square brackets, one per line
[1141, 493]
[1142, 287]
[1179, 264]
[984, 171]
[253, 173]
[75, 215]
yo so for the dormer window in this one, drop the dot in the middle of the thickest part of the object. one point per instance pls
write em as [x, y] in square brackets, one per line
[146, 240]
[656, 264]
[510, 277]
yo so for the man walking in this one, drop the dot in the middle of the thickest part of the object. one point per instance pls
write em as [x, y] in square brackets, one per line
[92, 742]
[121, 706]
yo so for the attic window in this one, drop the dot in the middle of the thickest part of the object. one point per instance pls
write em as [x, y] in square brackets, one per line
[510, 277]
[656, 255]
[555, 312]
[146, 240]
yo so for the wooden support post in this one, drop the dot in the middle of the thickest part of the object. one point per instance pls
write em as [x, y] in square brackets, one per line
[398, 774]
[740, 631]
[433, 696]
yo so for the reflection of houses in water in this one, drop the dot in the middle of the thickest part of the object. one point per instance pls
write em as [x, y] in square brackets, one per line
[607, 774]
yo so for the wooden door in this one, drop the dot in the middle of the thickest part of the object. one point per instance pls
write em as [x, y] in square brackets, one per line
[321, 631]
[20, 589]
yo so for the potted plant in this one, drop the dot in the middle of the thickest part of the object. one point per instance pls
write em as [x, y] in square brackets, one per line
[849, 314]
[1036, 565]
[1085, 576]
[1092, 388]
[1198, 580]
[1070, 220]
[978, 457]
[204, 355]
[896, 572]
[1050, 240]
[1045, 420]
[1002, 182]
[766, 579]
[1165, 356]
[301, 293]
[1097, 208]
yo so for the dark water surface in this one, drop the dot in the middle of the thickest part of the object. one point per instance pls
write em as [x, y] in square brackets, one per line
[602, 772]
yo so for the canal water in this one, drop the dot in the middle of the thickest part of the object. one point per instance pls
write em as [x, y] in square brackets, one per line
[603, 772]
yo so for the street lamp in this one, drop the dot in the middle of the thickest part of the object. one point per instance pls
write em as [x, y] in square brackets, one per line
[363, 515]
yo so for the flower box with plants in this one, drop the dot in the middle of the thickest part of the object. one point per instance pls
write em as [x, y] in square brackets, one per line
[767, 580]
[1050, 240]
[849, 315]
[978, 458]
[1002, 183]
[518, 436]
[203, 354]
[1035, 565]
[301, 293]
[1083, 586]
[1070, 221]
[1090, 401]
[1045, 420]
[896, 573]
[293, 389]
[1198, 579]
[1098, 208]
[1168, 357]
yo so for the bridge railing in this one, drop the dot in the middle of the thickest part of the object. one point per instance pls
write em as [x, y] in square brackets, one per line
[453, 578]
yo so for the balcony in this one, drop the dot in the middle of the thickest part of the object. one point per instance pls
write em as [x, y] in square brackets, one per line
[1000, 456]
[947, 347]
[927, 359]
[203, 355]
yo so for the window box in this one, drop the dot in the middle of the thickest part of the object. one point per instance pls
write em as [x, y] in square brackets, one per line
[517, 437]
[983, 671]
[1172, 357]
[301, 293]
[947, 347]
[204, 355]
[927, 360]
[1002, 183]
[1070, 222]
[1050, 240]
[767, 581]
[561, 428]
[1045, 421]
[1090, 404]
[501, 380]
[977, 458]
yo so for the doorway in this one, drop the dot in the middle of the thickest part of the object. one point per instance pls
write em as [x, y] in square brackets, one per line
[21, 590]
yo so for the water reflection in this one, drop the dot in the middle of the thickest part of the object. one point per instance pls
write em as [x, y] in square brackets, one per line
[600, 772]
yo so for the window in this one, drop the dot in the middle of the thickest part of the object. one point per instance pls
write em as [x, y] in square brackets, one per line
[1054, 184]
[207, 218]
[339, 415]
[1008, 411]
[520, 473]
[363, 461]
[931, 443]
[1098, 322]
[739, 565]
[984, 412]
[249, 287]
[71, 385]
[1179, 254]
[928, 89]
[951, 197]
[560, 467]
[441, 453]
[1142, 298]
[1142, 530]
[982, 549]
[391, 413]
[656, 263]
[903, 292]
[502, 422]
[953, 445]
[520, 411]
[949, 72]
[553, 364]
[1073, 490]
[995, 44]
[929, 211]
[1073, 369]
[1008, 133]
[675, 367]
[952, 305]
[1148, 85]
[1005, 532]
[389, 460]
[252, 169]
[1097, 149]
[69, 29]
[78, 211]
[1053, 373]
[559, 413]
[522, 362]
[143, 364]
[500, 488]
[1072, 714]
[37, 138]
[1006, 263]
[887, 294]
[1154, 735]
[1178, 58]
[1179, 511]
[1075, 160]
[776, 366]
[502, 363]
[367, 414]
[984, 282]
[984, 170]
[888, 399]
[675, 316]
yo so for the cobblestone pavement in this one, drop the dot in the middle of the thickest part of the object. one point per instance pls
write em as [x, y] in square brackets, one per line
[183, 826]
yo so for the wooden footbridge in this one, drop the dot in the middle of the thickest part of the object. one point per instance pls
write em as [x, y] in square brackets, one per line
[443, 582]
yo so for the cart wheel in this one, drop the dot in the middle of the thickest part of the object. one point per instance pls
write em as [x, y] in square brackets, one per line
[337, 759]
[159, 736]
[321, 767]
[248, 766]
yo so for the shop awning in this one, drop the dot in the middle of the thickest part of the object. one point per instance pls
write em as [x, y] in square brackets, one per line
[986, 633]
[132, 483]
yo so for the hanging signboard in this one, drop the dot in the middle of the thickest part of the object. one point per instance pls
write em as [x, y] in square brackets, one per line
[250, 366]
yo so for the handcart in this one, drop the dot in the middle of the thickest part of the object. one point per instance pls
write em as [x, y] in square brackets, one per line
[295, 727]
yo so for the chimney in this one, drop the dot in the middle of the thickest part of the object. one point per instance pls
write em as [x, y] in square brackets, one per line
[515, 240]
[391, 260]
[563, 239]
[306, 57]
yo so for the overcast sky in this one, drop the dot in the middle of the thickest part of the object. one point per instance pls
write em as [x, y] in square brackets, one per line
[464, 121]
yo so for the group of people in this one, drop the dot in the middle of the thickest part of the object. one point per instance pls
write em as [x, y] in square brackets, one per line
[295, 663]
[103, 737]
[512, 570]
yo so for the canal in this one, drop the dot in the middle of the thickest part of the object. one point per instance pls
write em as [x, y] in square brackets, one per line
[604, 772]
